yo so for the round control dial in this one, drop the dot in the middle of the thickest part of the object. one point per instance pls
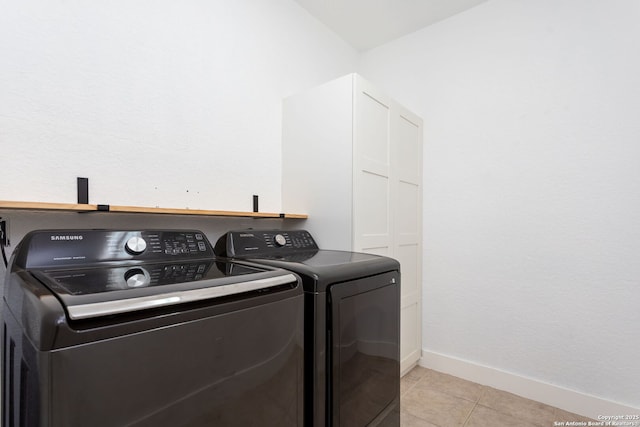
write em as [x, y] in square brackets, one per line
[279, 240]
[137, 278]
[135, 245]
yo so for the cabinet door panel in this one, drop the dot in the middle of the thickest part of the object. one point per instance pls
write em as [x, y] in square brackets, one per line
[409, 150]
[372, 128]
[408, 213]
[373, 202]
[372, 180]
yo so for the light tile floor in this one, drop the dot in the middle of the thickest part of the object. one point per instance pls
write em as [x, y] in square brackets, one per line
[432, 399]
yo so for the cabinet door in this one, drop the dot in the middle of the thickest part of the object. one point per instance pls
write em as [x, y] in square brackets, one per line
[407, 241]
[372, 203]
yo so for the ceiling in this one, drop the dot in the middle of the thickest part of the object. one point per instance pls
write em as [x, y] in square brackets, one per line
[369, 23]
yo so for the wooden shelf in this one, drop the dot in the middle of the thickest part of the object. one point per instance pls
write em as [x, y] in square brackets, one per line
[71, 207]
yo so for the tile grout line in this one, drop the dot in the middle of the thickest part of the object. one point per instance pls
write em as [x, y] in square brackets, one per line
[410, 387]
[475, 404]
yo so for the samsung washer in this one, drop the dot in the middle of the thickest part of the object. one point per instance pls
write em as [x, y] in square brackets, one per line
[147, 328]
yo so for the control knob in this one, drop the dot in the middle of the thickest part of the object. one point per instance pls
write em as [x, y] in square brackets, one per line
[135, 245]
[279, 240]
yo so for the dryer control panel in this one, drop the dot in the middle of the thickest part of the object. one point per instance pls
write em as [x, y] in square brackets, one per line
[246, 243]
[61, 248]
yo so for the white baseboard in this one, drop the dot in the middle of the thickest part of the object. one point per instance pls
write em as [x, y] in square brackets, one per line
[569, 400]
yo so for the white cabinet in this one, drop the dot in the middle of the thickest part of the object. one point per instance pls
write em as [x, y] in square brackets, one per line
[352, 160]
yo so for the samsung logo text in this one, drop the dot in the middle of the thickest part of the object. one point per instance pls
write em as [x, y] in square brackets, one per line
[70, 237]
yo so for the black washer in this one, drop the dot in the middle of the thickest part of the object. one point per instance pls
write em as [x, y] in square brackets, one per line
[146, 328]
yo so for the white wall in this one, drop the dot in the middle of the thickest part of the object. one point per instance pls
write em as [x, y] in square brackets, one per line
[160, 103]
[532, 187]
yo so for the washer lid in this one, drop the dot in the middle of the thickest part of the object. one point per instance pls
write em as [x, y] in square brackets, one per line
[96, 292]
